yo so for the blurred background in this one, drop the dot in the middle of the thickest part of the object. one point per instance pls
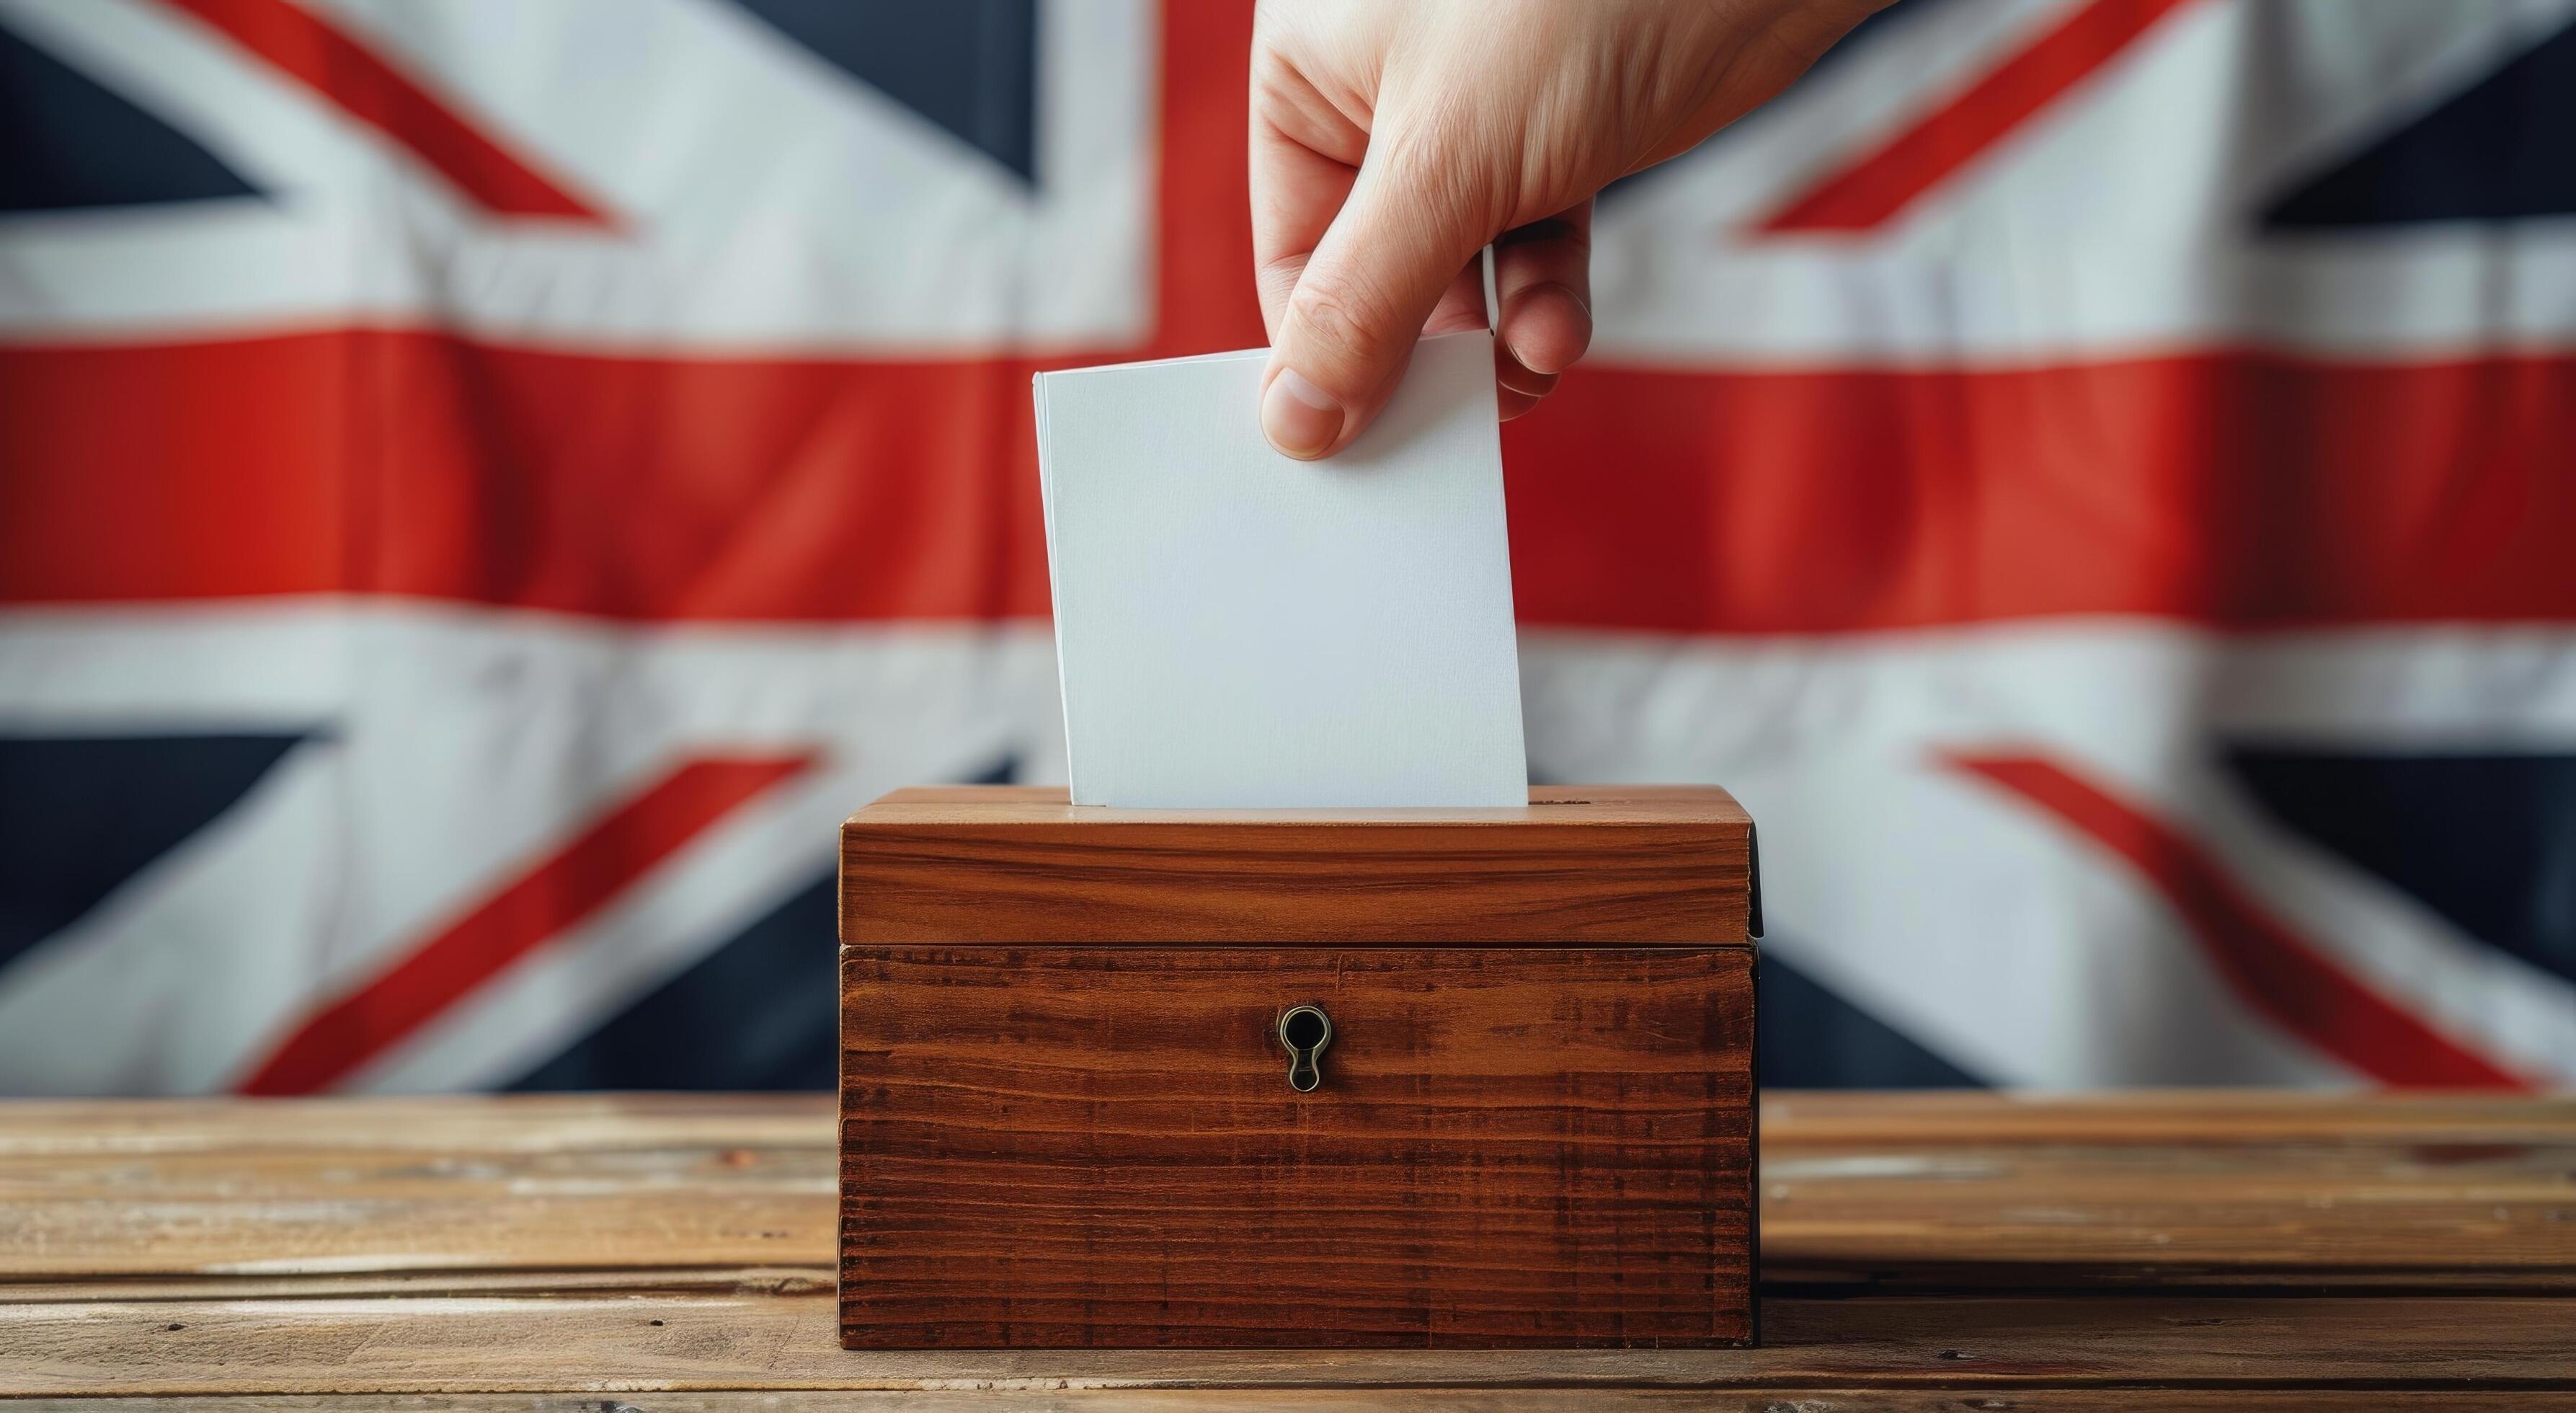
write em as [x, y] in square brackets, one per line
[486, 485]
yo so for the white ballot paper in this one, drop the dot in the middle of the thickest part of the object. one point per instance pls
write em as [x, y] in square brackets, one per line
[1240, 630]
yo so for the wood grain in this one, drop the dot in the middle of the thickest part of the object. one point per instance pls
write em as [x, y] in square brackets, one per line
[1366, 1400]
[120, 1219]
[1925, 1192]
[1965, 1347]
[2076, 1215]
[2170, 1191]
[972, 865]
[2248, 1190]
[1098, 1146]
[328, 1187]
[2201, 1119]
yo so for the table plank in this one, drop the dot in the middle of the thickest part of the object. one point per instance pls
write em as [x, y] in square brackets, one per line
[2195, 1117]
[626, 1344]
[536, 1183]
[1404, 1400]
[631, 1280]
[433, 1123]
[2495, 1212]
[1361, 1401]
[412, 1253]
[2172, 1192]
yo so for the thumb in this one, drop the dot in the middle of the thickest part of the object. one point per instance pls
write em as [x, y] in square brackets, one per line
[1361, 301]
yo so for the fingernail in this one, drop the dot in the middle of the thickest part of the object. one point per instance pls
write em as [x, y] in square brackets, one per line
[1299, 418]
[1530, 296]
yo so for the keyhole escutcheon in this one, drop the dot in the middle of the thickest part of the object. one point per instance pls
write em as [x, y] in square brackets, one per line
[1305, 1030]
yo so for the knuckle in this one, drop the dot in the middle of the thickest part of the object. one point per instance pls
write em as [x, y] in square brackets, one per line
[1427, 162]
[1556, 231]
[1341, 323]
[1274, 80]
[1435, 159]
[1276, 279]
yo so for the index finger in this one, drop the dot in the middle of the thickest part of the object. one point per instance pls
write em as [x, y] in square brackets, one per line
[1296, 192]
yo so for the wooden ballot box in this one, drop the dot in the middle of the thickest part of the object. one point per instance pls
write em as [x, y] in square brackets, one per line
[1452, 1078]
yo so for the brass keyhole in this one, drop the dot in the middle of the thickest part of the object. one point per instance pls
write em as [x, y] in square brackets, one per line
[1305, 1030]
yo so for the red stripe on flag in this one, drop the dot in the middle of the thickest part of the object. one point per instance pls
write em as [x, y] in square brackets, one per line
[1867, 192]
[2238, 490]
[1204, 300]
[2281, 975]
[310, 49]
[558, 893]
[2235, 489]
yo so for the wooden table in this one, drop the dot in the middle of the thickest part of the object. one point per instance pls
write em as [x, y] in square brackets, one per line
[1946, 1251]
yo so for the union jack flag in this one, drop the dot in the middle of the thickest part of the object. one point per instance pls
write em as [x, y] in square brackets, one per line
[485, 485]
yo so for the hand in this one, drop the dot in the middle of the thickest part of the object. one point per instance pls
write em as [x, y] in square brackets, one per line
[1392, 139]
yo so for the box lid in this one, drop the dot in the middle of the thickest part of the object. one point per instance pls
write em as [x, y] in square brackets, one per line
[1015, 864]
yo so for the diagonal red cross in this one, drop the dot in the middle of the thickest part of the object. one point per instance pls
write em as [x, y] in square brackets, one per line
[552, 895]
[2280, 975]
[353, 77]
[1867, 191]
